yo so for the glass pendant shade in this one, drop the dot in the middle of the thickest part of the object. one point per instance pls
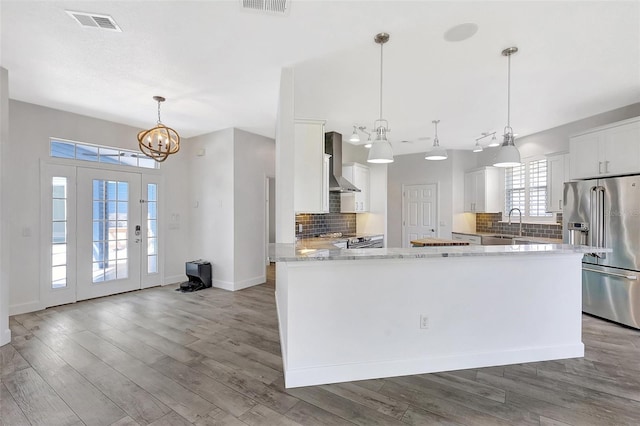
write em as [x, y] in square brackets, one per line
[478, 147]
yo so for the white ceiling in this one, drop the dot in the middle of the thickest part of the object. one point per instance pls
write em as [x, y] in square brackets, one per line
[219, 66]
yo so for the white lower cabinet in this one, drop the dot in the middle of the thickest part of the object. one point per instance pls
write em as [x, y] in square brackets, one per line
[557, 175]
[355, 202]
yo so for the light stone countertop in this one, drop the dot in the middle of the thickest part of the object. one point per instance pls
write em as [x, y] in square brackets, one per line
[297, 252]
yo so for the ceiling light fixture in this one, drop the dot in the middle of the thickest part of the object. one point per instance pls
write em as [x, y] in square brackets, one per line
[354, 136]
[160, 141]
[381, 151]
[508, 155]
[436, 153]
[494, 142]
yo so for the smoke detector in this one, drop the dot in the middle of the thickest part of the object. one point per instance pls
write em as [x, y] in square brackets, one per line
[94, 20]
[272, 7]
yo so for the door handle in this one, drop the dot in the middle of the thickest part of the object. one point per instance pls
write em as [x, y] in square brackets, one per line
[559, 204]
[606, 166]
[599, 166]
[629, 277]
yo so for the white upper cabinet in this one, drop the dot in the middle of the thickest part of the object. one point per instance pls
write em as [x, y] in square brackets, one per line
[481, 191]
[557, 175]
[606, 151]
[355, 202]
[311, 168]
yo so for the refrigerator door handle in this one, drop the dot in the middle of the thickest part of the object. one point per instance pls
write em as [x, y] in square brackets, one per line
[629, 277]
[601, 218]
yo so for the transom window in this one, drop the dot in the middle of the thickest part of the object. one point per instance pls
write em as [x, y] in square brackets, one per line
[100, 154]
[526, 189]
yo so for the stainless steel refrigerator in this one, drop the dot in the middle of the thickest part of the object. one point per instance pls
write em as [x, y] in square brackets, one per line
[606, 213]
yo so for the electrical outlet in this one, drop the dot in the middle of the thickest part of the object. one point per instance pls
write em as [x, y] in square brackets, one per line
[424, 321]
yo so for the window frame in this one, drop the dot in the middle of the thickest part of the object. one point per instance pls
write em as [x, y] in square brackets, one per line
[550, 217]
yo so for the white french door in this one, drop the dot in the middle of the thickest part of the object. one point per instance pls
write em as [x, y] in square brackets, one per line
[109, 232]
[103, 228]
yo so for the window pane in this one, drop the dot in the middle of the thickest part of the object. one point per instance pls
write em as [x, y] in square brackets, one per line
[123, 208]
[123, 191]
[59, 211]
[59, 232]
[86, 152]
[152, 264]
[122, 269]
[152, 246]
[152, 228]
[59, 255]
[59, 187]
[110, 188]
[63, 149]
[152, 190]
[152, 210]
[59, 276]
[128, 158]
[108, 155]
[147, 162]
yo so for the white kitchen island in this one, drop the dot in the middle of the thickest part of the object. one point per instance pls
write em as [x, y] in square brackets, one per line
[349, 315]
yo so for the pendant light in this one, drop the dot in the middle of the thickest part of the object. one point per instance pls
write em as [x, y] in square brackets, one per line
[381, 151]
[508, 155]
[436, 153]
[355, 137]
[160, 141]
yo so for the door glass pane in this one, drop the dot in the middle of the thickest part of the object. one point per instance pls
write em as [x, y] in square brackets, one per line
[110, 230]
[152, 228]
[59, 232]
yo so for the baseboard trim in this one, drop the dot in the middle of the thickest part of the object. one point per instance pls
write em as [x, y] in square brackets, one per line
[224, 285]
[371, 370]
[250, 282]
[175, 279]
[24, 308]
[5, 337]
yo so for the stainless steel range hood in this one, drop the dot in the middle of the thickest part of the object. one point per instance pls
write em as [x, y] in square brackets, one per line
[333, 146]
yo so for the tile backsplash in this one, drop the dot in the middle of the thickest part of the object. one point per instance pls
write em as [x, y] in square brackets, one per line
[334, 221]
[492, 222]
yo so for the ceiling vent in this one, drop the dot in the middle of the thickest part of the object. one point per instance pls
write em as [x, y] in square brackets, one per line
[94, 20]
[275, 7]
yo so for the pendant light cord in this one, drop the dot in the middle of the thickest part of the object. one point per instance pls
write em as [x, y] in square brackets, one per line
[381, 71]
[509, 92]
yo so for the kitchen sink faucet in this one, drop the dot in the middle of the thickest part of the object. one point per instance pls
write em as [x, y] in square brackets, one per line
[520, 214]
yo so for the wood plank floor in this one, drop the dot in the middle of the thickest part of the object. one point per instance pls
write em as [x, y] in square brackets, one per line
[212, 357]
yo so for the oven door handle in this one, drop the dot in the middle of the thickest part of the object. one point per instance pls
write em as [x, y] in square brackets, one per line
[629, 277]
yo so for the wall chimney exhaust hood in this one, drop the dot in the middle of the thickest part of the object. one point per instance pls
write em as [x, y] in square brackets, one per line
[333, 146]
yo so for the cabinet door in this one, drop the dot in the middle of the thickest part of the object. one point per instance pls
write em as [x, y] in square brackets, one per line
[620, 149]
[481, 191]
[309, 166]
[361, 181]
[584, 156]
[556, 172]
[325, 183]
[469, 191]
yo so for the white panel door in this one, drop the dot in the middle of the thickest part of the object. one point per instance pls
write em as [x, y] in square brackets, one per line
[109, 232]
[420, 207]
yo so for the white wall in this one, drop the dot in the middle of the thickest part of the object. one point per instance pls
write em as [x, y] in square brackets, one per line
[31, 126]
[227, 198]
[285, 215]
[212, 203]
[5, 332]
[254, 160]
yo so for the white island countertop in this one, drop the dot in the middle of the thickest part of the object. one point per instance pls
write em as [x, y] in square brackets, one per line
[302, 252]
